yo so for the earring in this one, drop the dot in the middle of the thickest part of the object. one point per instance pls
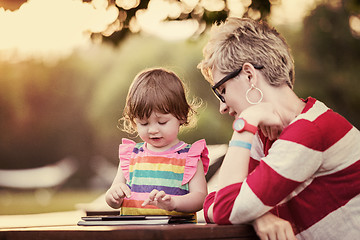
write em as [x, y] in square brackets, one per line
[257, 89]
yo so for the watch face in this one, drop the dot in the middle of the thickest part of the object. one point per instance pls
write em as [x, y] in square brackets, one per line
[239, 124]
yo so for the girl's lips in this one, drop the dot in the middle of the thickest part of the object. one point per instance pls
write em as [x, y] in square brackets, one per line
[155, 138]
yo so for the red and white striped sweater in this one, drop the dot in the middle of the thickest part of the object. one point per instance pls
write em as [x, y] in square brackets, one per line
[310, 177]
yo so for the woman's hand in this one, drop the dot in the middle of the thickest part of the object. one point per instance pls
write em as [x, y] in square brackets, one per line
[265, 116]
[116, 194]
[271, 227]
[161, 200]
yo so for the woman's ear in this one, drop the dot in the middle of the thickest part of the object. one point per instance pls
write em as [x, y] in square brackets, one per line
[250, 72]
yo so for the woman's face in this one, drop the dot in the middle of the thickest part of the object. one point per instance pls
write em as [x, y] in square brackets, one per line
[233, 91]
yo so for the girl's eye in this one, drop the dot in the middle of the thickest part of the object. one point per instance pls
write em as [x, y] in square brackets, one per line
[143, 124]
[162, 123]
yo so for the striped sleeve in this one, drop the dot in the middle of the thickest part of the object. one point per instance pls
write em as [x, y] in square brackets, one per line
[223, 203]
[209, 200]
[294, 158]
[282, 169]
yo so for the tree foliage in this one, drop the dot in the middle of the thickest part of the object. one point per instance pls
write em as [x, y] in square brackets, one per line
[332, 50]
[204, 12]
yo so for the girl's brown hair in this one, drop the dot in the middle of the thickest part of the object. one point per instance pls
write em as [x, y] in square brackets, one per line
[157, 90]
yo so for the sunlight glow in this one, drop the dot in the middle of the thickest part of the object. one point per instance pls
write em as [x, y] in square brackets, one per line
[153, 21]
[190, 4]
[354, 22]
[237, 8]
[213, 5]
[49, 28]
[127, 4]
[290, 11]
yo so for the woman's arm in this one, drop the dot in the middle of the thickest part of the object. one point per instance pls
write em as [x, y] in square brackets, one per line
[290, 161]
[267, 226]
[234, 169]
[208, 207]
[236, 162]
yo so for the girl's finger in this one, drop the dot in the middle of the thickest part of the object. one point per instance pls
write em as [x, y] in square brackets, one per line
[126, 190]
[166, 198]
[159, 195]
[114, 198]
[146, 202]
[119, 193]
[152, 194]
[150, 198]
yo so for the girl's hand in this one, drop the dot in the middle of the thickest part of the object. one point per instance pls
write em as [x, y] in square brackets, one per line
[116, 194]
[160, 199]
[189, 203]
[271, 227]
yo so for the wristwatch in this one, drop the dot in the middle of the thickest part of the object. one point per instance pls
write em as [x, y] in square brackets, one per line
[241, 125]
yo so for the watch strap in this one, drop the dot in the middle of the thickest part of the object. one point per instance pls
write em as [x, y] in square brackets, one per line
[250, 128]
[247, 126]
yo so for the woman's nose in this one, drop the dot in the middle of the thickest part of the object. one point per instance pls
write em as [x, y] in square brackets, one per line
[223, 108]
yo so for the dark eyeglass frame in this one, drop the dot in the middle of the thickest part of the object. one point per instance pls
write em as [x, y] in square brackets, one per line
[228, 77]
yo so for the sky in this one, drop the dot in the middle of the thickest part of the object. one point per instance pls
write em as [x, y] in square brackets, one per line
[54, 28]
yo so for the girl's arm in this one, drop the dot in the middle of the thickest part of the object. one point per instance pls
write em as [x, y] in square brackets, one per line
[118, 190]
[191, 202]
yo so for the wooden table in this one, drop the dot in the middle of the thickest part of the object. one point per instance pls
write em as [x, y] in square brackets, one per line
[64, 226]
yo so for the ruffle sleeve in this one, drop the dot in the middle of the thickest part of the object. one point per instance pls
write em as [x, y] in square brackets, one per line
[198, 151]
[125, 150]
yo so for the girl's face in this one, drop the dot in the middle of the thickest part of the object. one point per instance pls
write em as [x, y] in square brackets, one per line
[159, 131]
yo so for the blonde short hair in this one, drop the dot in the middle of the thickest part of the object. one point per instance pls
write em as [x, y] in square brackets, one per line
[159, 90]
[240, 40]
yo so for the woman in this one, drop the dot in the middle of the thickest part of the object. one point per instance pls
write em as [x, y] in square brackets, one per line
[288, 158]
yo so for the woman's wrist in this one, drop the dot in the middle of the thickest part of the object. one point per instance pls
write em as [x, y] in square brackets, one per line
[250, 116]
[239, 143]
[242, 136]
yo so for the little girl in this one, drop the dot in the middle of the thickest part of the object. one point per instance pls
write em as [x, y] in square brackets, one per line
[162, 175]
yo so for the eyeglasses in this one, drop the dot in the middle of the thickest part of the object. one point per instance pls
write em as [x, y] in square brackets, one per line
[226, 78]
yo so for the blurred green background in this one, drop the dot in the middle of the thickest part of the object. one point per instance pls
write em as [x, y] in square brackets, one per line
[70, 107]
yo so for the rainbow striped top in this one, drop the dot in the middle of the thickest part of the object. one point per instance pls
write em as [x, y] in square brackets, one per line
[168, 171]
